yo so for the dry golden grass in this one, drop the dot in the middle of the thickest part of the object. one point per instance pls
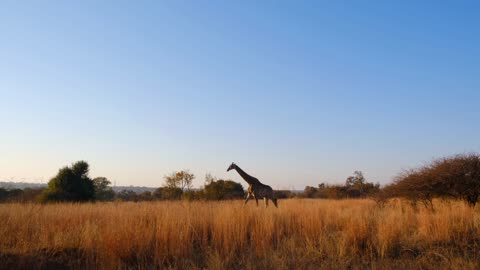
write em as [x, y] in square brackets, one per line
[301, 234]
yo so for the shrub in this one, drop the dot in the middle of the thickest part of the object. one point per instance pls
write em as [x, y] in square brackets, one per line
[103, 191]
[355, 186]
[171, 193]
[223, 189]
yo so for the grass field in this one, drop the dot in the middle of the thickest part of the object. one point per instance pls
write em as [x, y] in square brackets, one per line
[301, 234]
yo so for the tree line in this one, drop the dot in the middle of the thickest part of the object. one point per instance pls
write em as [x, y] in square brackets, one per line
[73, 184]
[455, 177]
[355, 186]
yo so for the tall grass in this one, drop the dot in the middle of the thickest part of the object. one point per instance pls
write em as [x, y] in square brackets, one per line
[301, 234]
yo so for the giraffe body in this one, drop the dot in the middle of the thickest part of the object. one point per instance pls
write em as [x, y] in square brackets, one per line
[256, 189]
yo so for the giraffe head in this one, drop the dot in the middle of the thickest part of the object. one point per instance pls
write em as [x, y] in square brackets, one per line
[231, 167]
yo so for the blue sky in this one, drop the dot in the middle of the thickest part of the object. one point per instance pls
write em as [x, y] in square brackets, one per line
[295, 92]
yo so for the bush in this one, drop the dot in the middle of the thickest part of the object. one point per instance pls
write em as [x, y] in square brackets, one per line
[127, 196]
[70, 184]
[355, 186]
[191, 195]
[145, 196]
[223, 190]
[285, 194]
[103, 191]
[171, 193]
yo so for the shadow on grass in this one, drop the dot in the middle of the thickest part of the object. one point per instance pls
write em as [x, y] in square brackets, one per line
[43, 259]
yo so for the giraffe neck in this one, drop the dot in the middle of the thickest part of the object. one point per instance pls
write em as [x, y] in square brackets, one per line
[245, 176]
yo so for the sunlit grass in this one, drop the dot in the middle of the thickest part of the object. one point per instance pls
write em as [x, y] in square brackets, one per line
[301, 234]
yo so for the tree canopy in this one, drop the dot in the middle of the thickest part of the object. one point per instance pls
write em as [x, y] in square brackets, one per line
[223, 189]
[455, 177]
[103, 191]
[181, 179]
[71, 184]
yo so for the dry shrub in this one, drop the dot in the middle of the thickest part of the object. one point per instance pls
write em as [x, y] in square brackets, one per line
[455, 177]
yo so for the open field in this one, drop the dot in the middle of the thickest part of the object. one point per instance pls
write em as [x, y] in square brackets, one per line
[301, 234]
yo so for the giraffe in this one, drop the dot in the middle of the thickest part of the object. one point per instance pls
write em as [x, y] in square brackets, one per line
[255, 189]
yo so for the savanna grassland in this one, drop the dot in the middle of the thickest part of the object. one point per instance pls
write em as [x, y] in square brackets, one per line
[301, 234]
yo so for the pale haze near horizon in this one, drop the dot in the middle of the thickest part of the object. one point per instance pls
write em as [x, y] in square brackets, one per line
[296, 93]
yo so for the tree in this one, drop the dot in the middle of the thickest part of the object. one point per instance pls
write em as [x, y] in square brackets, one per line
[171, 193]
[182, 179]
[309, 192]
[157, 193]
[284, 194]
[357, 186]
[3, 194]
[455, 177]
[31, 194]
[191, 195]
[223, 189]
[103, 191]
[127, 195]
[209, 178]
[70, 184]
[14, 194]
[20, 195]
[145, 196]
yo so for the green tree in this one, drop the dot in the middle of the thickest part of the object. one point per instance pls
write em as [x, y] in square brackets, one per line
[103, 190]
[223, 189]
[71, 184]
[3, 194]
[127, 195]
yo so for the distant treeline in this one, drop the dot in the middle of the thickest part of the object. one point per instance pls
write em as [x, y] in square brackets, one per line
[355, 186]
[456, 177]
[72, 184]
[23, 185]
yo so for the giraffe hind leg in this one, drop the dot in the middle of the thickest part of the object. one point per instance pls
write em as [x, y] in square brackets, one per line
[246, 199]
[266, 201]
[274, 200]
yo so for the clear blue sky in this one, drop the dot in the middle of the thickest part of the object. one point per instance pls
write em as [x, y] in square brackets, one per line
[295, 92]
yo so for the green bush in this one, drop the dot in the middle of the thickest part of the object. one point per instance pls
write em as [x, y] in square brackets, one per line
[70, 184]
[103, 191]
[222, 190]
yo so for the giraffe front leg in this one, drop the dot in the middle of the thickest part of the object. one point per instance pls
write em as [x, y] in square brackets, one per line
[266, 201]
